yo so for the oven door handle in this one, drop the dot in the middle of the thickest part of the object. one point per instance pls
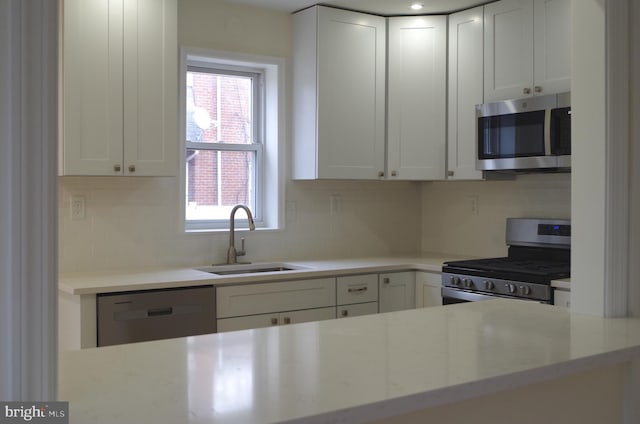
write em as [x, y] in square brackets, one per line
[465, 295]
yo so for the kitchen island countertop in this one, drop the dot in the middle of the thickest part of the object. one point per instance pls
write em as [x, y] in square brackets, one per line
[353, 370]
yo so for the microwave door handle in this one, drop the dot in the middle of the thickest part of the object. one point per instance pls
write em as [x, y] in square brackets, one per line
[547, 132]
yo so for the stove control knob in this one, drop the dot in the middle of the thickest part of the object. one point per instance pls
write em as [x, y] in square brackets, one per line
[468, 282]
[489, 285]
[455, 281]
[525, 290]
[511, 288]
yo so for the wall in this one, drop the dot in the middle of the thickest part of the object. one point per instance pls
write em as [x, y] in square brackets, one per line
[135, 223]
[589, 195]
[450, 224]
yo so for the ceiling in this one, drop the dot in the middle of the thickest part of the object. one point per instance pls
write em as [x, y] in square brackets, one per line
[380, 7]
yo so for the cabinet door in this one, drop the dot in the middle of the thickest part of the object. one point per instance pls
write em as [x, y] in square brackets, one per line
[150, 87]
[350, 94]
[397, 291]
[275, 319]
[416, 117]
[307, 315]
[252, 299]
[552, 44]
[466, 60]
[562, 298]
[508, 49]
[428, 289]
[346, 311]
[248, 322]
[92, 116]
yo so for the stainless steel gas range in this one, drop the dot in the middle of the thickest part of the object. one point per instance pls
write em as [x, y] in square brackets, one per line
[539, 252]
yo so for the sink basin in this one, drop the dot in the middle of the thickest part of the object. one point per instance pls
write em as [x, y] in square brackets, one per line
[249, 268]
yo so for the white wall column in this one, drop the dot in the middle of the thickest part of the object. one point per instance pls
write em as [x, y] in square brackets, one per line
[600, 152]
[28, 214]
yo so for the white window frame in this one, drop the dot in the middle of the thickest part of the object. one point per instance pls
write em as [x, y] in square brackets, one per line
[271, 125]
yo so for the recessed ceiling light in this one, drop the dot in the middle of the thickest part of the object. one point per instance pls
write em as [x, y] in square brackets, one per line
[416, 6]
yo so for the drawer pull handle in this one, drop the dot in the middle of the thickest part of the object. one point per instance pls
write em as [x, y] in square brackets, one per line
[159, 312]
[358, 290]
[287, 320]
[344, 312]
[274, 321]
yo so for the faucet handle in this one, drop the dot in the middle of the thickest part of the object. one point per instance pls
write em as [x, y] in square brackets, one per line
[241, 252]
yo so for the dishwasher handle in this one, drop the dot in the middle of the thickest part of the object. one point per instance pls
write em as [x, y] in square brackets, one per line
[147, 313]
[157, 312]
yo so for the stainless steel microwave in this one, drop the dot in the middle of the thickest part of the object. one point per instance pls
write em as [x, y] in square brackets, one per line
[525, 134]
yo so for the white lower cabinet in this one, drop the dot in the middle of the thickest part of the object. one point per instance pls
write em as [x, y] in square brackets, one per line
[266, 298]
[562, 298]
[247, 306]
[397, 291]
[274, 319]
[428, 289]
[262, 305]
[357, 295]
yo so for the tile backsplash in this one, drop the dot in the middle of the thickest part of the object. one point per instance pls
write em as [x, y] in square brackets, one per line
[134, 223]
[469, 217]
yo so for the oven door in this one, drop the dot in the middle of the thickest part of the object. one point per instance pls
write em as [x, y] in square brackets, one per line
[451, 296]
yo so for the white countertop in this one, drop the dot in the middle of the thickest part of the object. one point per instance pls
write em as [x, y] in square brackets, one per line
[349, 370]
[105, 282]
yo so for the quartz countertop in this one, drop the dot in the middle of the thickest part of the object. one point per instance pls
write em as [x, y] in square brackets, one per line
[129, 280]
[351, 370]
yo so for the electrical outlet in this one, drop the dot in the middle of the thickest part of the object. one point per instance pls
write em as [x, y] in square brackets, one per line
[78, 210]
[475, 204]
[291, 212]
[335, 204]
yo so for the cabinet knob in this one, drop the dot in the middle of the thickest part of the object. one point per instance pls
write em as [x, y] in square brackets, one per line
[117, 168]
[381, 174]
[526, 90]
[132, 168]
[287, 320]
[537, 89]
[344, 313]
[450, 173]
[394, 173]
[274, 321]
[386, 280]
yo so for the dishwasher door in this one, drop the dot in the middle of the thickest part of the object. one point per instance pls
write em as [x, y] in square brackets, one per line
[155, 314]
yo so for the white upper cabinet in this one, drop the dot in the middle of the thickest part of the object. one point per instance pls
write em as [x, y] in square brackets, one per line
[416, 117]
[119, 88]
[339, 94]
[465, 91]
[527, 48]
[552, 47]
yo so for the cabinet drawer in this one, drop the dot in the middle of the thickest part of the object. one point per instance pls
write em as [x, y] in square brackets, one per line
[357, 289]
[346, 311]
[253, 299]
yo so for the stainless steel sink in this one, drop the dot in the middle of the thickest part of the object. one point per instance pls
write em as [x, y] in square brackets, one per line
[249, 268]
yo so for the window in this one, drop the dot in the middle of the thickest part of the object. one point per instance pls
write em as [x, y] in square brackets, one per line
[231, 129]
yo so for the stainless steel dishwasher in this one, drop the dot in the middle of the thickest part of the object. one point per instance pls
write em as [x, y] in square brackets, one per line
[129, 317]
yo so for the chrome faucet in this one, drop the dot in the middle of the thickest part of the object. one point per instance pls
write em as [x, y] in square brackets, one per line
[232, 253]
